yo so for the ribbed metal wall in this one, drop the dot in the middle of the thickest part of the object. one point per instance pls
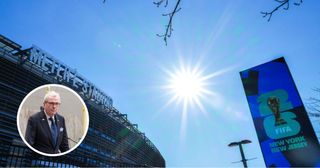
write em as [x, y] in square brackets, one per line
[108, 142]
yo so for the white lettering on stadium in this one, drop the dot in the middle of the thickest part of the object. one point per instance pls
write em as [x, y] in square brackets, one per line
[60, 71]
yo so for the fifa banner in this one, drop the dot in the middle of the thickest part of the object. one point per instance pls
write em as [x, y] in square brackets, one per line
[284, 130]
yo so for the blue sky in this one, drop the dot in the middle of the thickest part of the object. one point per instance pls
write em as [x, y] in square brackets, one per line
[114, 45]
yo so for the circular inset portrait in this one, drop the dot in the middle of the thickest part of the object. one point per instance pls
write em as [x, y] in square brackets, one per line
[52, 120]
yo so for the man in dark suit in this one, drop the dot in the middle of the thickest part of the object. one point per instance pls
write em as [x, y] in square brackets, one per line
[46, 131]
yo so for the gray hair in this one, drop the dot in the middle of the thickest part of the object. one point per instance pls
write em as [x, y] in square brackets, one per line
[51, 94]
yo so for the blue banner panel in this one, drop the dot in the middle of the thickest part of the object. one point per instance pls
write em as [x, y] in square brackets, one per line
[284, 130]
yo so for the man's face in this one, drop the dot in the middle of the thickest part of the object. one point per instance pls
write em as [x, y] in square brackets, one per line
[51, 105]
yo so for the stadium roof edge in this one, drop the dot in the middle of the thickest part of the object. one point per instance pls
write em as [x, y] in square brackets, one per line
[10, 46]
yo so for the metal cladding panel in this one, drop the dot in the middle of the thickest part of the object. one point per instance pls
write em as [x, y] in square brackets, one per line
[283, 127]
[109, 143]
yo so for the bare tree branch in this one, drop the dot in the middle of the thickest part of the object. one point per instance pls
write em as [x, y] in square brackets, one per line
[282, 3]
[315, 114]
[314, 100]
[169, 28]
[313, 104]
[298, 3]
[316, 89]
[160, 2]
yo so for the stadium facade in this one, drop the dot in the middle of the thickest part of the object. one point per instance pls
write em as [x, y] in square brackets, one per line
[111, 141]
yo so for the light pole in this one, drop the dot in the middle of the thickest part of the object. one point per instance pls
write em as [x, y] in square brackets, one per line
[244, 160]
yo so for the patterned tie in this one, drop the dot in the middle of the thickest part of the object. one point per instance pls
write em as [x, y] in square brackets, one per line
[53, 131]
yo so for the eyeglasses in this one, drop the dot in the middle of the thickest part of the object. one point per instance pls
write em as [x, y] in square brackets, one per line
[54, 103]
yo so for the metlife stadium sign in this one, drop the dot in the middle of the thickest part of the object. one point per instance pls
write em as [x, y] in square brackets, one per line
[59, 70]
[284, 130]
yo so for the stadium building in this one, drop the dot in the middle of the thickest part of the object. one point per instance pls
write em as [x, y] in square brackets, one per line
[111, 141]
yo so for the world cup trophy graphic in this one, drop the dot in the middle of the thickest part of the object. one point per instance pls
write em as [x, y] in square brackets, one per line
[274, 105]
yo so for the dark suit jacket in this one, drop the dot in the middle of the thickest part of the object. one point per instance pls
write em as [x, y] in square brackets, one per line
[38, 134]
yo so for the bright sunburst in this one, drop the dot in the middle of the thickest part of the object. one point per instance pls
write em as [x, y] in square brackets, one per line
[188, 87]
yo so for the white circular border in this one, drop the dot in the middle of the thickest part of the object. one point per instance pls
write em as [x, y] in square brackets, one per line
[53, 85]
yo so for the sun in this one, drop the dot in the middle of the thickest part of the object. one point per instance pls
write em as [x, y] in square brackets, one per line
[186, 85]
[190, 87]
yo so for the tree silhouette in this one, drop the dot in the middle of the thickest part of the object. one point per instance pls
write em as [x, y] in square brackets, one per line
[314, 104]
[169, 28]
[283, 3]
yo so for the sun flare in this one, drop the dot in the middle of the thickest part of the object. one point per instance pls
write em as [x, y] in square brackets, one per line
[190, 89]
[186, 85]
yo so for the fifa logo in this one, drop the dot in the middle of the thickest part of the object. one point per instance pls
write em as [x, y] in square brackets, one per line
[278, 121]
